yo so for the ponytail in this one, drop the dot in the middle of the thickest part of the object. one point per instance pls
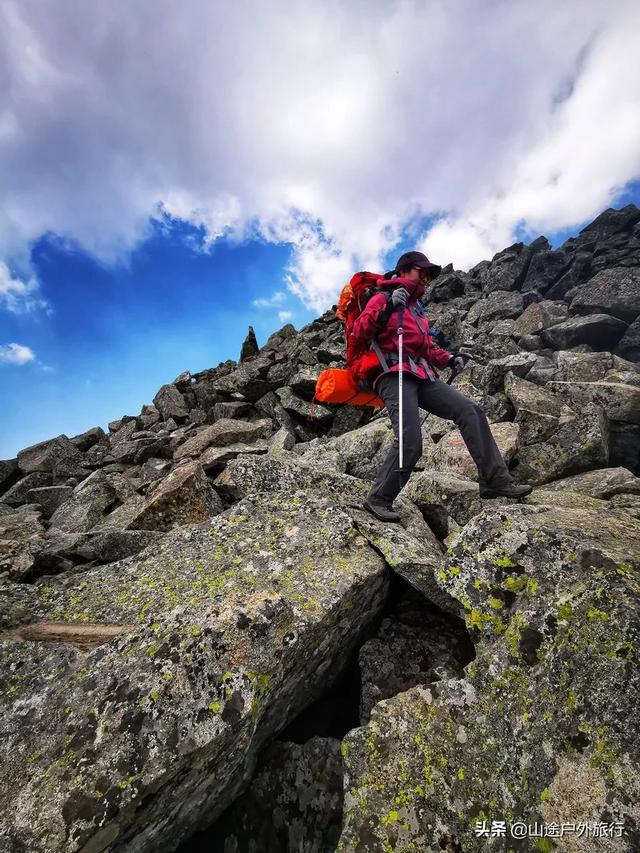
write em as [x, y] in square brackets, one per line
[389, 275]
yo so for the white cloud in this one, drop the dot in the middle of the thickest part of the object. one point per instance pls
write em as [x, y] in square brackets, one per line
[274, 300]
[18, 296]
[15, 354]
[325, 125]
[284, 315]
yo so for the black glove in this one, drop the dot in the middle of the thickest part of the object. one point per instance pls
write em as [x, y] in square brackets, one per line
[458, 361]
[399, 297]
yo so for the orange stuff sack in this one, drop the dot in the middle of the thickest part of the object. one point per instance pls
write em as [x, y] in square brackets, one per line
[337, 386]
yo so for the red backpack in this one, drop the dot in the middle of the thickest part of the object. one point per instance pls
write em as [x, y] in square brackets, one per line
[340, 386]
[351, 304]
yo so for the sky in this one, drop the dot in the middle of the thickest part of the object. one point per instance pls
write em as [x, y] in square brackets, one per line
[173, 173]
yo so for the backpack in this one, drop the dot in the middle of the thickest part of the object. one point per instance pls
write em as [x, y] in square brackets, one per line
[353, 299]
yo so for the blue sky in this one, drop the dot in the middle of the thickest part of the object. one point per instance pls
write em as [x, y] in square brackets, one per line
[163, 190]
[115, 335]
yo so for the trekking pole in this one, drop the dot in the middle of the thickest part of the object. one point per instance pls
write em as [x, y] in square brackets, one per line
[400, 407]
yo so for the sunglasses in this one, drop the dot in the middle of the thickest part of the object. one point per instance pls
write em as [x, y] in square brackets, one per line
[424, 274]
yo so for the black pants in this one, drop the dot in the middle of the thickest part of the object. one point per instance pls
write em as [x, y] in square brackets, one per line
[440, 399]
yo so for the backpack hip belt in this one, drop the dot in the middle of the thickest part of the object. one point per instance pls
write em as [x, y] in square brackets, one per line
[394, 359]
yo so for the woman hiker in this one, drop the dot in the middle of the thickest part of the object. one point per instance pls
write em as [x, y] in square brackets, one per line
[421, 389]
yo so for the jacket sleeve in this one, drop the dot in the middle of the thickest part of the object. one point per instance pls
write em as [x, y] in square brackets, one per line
[437, 356]
[372, 320]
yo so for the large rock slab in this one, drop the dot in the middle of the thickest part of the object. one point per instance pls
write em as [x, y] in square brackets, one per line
[90, 502]
[411, 549]
[58, 456]
[600, 331]
[248, 379]
[577, 445]
[49, 498]
[18, 493]
[603, 483]
[358, 452]
[491, 375]
[185, 496]
[539, 316]
[224, 431]
[612, 291]
[451, 453]
[499, 305]
[447, 501]
[293, 403]
[171, 404]
[543, 726]
[141, 719]
[620, 401]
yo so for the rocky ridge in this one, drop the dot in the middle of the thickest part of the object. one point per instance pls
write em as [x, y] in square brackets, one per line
[177, 590]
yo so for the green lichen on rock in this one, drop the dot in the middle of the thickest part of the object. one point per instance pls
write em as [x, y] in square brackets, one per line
[553, 689]
[222, 620]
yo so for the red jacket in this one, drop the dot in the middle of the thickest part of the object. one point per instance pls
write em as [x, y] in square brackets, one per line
[416, 340]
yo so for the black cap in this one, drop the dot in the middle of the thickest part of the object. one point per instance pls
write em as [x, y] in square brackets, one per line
[417, 259]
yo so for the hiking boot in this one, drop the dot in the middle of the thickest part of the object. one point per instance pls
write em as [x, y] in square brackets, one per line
[384, 513]
[506, 490]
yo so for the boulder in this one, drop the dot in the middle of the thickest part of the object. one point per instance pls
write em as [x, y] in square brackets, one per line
[542, 728]
[539, 316]
[577, 445]
[611, 291]
[233, 409]
[600, 331]
[90, 501]
[153, 469]
[171, 404]
[508, 268]
[117, 424]
[58, 456]
[499, 305]
[603, 483]
[530, 396]
[18, 493]
[545, 269]
[248, 379]
[9, 473]
[629, 343]
[358, 452]
[620, 402]
[21, 537]
[223, 432]
[410, 549]
[451, 453]
[581, 270]
[304, 381]
[490, 376]
[185, 496]
[447, 501]
[49, 498]
[215, 458]
[164, 675]
[87, 439]
[293, 403]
